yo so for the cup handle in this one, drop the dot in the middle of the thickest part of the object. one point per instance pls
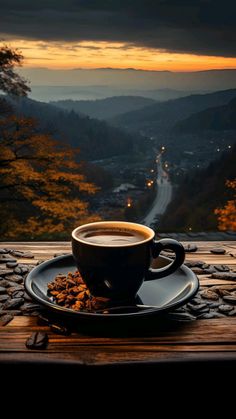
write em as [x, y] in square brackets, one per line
[166, 244]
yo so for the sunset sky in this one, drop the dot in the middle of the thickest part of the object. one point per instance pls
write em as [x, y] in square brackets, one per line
[176, 35]
[99, 54]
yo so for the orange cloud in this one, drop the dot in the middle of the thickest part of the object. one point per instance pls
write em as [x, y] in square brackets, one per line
[56, 55]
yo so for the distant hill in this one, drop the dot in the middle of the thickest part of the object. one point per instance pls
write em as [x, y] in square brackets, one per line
[217, 118]
[96, 139]
[105, 108]
[162, 117]
[199, 194]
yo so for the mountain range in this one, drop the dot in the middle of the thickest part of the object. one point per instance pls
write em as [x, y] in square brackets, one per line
[216, 118]
[105, 108]
[162, 117]
[95, 139]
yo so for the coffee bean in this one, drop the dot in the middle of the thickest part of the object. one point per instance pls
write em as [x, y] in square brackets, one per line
[190, 248]
[17, 287]
[16, 253]
[14, 284]
[13, 303]
[225, 308]
[3, 251]
[4, 297]
[29, 307]
[4, 320]
[6, 258]
[15, 278]
[206, 266]
[230, 299]
[3, 290]
[37, 340]
[4, 272]
[196, 308]
[4, 283]
[198, 271]
[28, 255]
[210, 270]
[213, 305]
[224, 275]
[210, 295]
[12, 264]
[21, 269]
[203, 310]
[59, 329]
[18, 294]
[195, 264]
[218, 251]
[196, 301]
[222, 268]
[222, 293]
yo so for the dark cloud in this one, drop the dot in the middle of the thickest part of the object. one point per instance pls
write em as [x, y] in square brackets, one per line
[198, 26]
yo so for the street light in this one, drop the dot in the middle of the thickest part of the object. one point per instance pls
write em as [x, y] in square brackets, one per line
[163, 148]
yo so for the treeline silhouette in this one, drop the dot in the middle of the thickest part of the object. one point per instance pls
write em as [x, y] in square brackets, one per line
[96, 139]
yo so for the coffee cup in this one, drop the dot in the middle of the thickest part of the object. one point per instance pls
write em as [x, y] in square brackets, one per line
[114, 257]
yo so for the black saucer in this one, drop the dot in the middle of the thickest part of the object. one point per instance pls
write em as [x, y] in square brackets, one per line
[154, 297]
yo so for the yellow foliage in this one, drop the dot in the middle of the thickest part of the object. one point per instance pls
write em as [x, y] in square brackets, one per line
[42, 187]
[227, 214]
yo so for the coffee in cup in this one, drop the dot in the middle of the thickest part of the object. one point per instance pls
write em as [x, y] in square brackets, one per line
[114, 257]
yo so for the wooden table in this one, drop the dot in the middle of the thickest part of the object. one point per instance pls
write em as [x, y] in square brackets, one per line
[212, 340]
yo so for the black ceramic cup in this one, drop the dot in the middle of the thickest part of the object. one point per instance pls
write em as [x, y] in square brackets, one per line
[114, 257]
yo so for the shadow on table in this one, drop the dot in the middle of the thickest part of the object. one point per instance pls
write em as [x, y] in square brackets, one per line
[116, 327]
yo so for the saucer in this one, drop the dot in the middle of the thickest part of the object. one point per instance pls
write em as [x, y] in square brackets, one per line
[154, 297]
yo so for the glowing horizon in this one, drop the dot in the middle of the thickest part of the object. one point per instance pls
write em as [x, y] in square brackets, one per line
[92, 55]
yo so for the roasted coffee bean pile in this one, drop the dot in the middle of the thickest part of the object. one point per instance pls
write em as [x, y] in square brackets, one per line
[70, 291]
[13, 299]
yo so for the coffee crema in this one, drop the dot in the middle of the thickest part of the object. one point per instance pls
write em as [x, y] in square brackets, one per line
[112, 236]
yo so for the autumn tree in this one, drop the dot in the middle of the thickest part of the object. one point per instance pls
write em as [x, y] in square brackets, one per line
[227, 214]
[43, 191]
[10, 81]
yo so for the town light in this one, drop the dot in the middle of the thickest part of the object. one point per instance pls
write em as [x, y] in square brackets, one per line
[149, 183]
[129, 203]
[163, 148]
[229, 146]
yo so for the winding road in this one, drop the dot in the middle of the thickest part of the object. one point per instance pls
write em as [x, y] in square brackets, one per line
[163, 197]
